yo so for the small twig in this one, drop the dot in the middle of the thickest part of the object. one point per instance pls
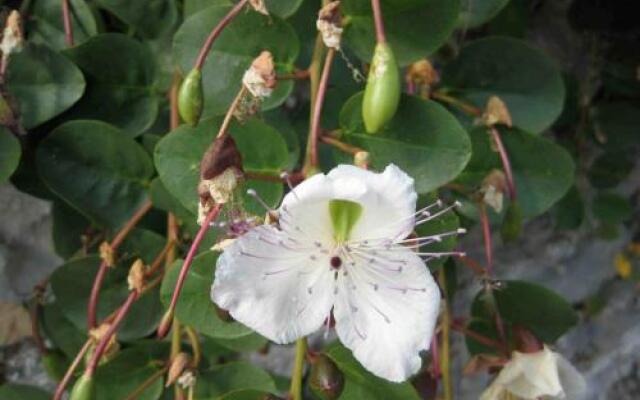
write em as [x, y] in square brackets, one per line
[66, 20]
[473, 265]
[296, 75]
[74, 365]
[229, 115]
[195, 345]
[165, 325]
[377, 17]
[102, 270]
[314, 83]
[347, 148]
[204, 51]
[317, 111]
[506, 164]
[160, 258]
[466, 107]
[446, 344]
[135, 393]
[486, 235]
[456, 326]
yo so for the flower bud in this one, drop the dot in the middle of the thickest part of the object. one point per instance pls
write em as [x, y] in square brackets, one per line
[135, 279]
[177, 367]
[329, 25]
[84, 388]
[326, 381]
[512, 223]
[382, 94]
[191, 97]
[107, 254]
[496, 112]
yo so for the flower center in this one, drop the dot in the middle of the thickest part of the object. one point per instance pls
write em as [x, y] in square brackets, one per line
[336, 262]
[344, 215]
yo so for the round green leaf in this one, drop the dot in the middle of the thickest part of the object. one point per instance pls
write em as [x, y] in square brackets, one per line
[150, 18]
[543, 171]
[9, 154]
[120, 74]
[280, 8]
[97, 169]
[72, 282]
[359, 381]
[423, 139]
[45, 23]
[611, 208]
[177, 158]
[232, 53]
[569, 211]
[523, 77]
[61, 331]
[617, 122]
[414, 28]
[43, 83]
[248, 394]
[14, 391]
[474, 13]
[610, 168]
[68, 227]
[195, 307]
[225, 379]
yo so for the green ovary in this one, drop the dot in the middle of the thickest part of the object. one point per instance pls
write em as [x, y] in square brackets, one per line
[344, 215]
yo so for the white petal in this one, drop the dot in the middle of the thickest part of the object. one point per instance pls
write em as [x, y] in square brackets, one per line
[279, 287]
[387, 316]
[388, 200]
[573, 383]
[531, 375]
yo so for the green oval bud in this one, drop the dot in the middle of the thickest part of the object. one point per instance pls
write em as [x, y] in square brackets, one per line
[382, 94]
[191, 97]
[326, 381]
[84, 388]
[512, 223]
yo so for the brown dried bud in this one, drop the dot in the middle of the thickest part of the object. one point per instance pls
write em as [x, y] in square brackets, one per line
[136, 276]
[220, 156]
[329, 24]
[493, 188]
[177, 367]
[107, 254]
[496, 112]
[422, 73]
[260, 78]
[259, 6]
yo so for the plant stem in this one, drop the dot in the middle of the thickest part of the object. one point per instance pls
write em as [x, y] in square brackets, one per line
[464, 106]
[337, 143]
[195, 345]
[104, 340]
[148, 382]
[486, 235]
[314, 84]
[174, 116]
[377, 17]
[164, 327]
[317, 111]
[477, 336]
[66, 21]
[295, 391]
[102, 270]
[506, 164]
[74, 365]
[160, 258]
[176, 344]
[445, 353]
[204, 51]
[229, 115]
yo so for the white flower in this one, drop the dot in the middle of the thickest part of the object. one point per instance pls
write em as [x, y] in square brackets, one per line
[541, 375]
[340, 247]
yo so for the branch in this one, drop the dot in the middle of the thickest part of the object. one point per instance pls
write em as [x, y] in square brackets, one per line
[464, 106]
[66, 20]
[506, 164]
[74, 365]
[317, 110]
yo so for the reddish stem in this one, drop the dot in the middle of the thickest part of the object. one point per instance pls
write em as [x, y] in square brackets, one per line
[337, 143]
[506, 164]
[74, 365]
[204, 51]
[435, 357]
[104, 340]
[377, 17]
[486, 234]
[166, 323]
[457, 326]
[66, 20]
[317, 109]
[102, 270]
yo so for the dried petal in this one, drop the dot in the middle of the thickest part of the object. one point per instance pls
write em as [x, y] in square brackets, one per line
[496, 112]
[177, 367]
[260, 78]
[493, 188]
[329, 24]
[259, 6]
[107, 254]
[135, 280]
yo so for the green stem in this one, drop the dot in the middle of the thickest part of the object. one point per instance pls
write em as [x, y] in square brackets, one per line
[295, 392]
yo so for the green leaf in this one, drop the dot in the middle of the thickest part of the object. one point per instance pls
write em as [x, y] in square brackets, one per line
[423, 139]
[224, 379]
[232, 53]
[72, 282]
[61, 331]
[246, 395]
[150, 18]
[9, 154]
[414, 28]
[68, 228]
[543, 171]
[43, 83]
[14, 391]
[569, 211]
[617, 123]
[611, 208]
[195, 307]
[360, 381]
[446, 223]
[97, 169]
[280, 8]
[474, 13]
[128, 370]
[523, 77]
[177, 158]
[45, 23]
[120, 74]
[610, 168]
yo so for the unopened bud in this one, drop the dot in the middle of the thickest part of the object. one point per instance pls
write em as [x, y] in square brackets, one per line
[362, 159]
[135, 279]
[220, 173]
[326, 381]
[259, 6]
[177, 367]
[84, 388]
[382, 93]
[165, 324]
[260, 78]
[492, 189]
[191, 97]
[329, 24]
[496, 112]
[107, 254]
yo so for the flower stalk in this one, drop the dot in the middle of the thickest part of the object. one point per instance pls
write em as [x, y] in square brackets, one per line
[317, 107]
[295, 391]
[379, 23]
[506, 164]
[66, 21]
